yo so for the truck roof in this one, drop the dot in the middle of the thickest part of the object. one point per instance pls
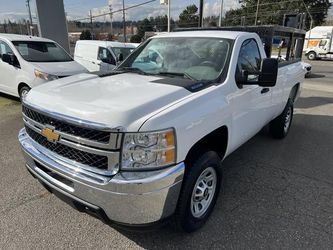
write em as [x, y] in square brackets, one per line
[106, 43]
[15, 37]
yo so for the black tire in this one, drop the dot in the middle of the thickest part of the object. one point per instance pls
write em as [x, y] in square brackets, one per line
[312, 56]
[23, 90]
[184, 218]
[280, 126]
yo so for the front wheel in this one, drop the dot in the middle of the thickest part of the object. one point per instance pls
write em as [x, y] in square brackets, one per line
[280, 126]
[199, 192]
[312, 56]
[23, 92]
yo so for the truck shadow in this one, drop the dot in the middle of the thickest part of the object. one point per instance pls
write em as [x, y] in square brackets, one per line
[313, 75]
[270, 187]
[313, 101]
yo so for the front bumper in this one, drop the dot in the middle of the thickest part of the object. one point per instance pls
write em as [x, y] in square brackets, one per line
[132, 198]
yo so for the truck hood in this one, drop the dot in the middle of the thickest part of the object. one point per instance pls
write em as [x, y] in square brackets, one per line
[60, 68]
[119, 100]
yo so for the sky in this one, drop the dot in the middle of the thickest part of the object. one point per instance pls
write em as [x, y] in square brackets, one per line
[15, 10]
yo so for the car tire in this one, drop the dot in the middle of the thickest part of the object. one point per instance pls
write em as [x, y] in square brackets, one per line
[23, 91]
[280, 126]
[312, 56]
[200, 189]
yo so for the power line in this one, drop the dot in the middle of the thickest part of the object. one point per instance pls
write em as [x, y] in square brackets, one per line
[116, 11]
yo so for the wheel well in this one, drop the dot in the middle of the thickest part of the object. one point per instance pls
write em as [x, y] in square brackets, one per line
[216, 141]
[293, 92]
[21, 85]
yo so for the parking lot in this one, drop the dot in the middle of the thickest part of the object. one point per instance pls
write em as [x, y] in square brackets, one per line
[276, 193]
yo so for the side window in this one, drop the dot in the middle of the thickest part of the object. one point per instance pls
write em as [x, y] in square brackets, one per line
[249, 56]
[5, 49]
[105, 56]
[249, 59]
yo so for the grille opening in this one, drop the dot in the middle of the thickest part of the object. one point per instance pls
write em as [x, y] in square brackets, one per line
[90, 134]
[89, 159]
[55, 175]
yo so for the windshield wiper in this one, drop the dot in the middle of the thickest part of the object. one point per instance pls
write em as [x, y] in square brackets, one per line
[131, 69]
[185, 75]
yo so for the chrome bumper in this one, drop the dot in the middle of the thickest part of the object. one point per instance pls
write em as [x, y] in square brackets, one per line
[128, 197]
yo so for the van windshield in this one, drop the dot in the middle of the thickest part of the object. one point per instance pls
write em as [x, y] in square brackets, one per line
[196, 58]
[33, 51]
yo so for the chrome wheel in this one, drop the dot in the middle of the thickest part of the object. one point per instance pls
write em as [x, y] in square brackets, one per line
[287, 120]
[203, 192]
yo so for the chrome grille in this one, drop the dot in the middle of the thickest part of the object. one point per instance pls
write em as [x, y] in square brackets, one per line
[90, 134]
[92, 160]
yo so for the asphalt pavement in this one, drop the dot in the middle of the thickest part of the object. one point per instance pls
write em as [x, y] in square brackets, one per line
[276, 194]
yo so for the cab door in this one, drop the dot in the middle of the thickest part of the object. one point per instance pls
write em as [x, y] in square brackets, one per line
[8, 73]
[251, 104]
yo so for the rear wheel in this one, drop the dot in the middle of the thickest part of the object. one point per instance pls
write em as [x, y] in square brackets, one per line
[199, 192]
[280, 126]
[24, 91]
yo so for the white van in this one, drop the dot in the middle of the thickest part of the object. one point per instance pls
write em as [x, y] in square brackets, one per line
[101, 56]
[27, 61]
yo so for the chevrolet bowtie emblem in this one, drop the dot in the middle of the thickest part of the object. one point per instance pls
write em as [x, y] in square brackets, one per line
[50, 135]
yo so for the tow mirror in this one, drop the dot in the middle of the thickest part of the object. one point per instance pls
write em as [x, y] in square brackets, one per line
[266, 77]
[269, 71]
[10, 59]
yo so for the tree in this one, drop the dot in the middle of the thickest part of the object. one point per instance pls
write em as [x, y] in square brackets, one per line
[85, 35]
[143, 26]
[189, 17]
[273, 11]
[136, 39]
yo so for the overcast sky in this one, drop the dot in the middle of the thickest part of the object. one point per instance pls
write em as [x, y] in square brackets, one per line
[15, 10]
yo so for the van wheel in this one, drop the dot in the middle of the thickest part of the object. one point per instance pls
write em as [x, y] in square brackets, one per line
[280, 126]
[312, 56]
[199, 192]
[23, 92]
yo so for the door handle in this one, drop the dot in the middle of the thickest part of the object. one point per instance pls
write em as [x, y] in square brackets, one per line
[264, 90]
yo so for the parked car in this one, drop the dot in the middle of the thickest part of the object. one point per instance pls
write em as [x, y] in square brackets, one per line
[307, 69]
[146, 141]
[27, 61]
[101, 56]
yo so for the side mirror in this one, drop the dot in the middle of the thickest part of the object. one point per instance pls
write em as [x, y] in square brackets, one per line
[266, 77]
[120, 57]
[269, 72]
[10, 59]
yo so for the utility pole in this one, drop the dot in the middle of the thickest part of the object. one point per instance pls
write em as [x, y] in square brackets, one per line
[91, 26]
[124, 21]
[311, 22]
[30, 17]
[169, 17]
[221, 13]
[200, 13]
[256, 19]
[111, 28]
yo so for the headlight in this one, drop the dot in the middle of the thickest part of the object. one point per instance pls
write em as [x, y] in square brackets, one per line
[45, 76]
[151, 150]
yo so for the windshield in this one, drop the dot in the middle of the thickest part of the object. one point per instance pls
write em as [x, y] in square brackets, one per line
[124, 51]
[189, 57]
[33, 51]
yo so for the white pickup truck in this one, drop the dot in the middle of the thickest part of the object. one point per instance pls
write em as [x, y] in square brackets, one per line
[145, 142]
